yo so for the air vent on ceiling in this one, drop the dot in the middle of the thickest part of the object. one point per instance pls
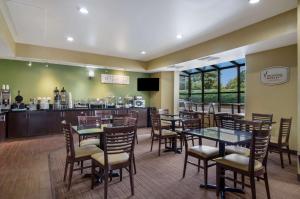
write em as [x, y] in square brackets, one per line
[208, 58]
[176, 66]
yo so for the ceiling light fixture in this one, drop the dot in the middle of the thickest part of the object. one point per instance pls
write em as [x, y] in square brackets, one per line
[254, 1]
[143, 52]
[70, 39]
[179, 36]
[83, 10]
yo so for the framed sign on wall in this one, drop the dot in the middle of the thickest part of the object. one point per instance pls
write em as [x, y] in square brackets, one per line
[114, 79]
[274, 75]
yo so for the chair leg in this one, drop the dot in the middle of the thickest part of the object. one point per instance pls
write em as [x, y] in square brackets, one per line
[152, 143]
[289, 154]
[267, 185]
[66, 170]
[253, 190]
[159, 143]
[131, 179]
[136, 137]
[205, 173]
[193, 143]
[70, 174]
[199, 164]
[243, 181]
[81, 167]
[134, 167]
[105, 182]
[184, 166]
[235, 179]
[218, 180]
[121, 174]
[281, 159]
[93, 175]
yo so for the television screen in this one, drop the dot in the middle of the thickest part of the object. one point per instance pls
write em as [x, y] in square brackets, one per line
[148, 84]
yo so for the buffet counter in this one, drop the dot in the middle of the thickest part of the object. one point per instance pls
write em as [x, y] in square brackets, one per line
[47, 122]
[2, 125]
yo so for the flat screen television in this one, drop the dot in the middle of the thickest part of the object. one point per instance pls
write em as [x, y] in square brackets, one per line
[148, 84]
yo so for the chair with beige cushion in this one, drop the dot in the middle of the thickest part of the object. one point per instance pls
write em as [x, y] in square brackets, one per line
[243, 125]
[266, 119]
[253, 166]
[280, 144]
[118, 154]
[79, 154]
[200, 152]
[159, 134]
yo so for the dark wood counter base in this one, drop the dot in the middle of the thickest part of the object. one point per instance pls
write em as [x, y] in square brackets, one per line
[47, 122]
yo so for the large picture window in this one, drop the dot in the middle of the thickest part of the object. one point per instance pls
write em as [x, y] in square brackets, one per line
[221, 83]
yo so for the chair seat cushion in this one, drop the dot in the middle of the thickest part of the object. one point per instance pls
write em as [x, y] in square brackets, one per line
[87, 150]
[204, 151]
[238, 161]
[180, 129]
[113, 159]
[90, 141]
[237, 149]
[166, 132]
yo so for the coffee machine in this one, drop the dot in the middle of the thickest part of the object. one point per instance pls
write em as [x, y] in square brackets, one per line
[5, 98]
[57, 99]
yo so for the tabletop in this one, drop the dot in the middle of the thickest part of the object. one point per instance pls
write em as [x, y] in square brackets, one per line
[89, 130]
[170, 118]
[222, 135]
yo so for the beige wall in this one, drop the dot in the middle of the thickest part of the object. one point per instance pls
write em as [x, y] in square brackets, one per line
[298, 91]
[281, 100]
[164, 98]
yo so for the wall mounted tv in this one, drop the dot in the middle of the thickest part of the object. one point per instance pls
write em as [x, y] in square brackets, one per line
[148, 84]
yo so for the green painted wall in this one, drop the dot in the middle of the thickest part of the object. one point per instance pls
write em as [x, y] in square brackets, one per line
[40, 81]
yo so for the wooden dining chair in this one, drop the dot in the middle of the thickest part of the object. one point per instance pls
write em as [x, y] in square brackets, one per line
[280, 144]
[200, 152]
[227, 122]
[159, 134]
[118, 154]
[91, 121]
[254, 166]
[217, 118]
[135, 114]
[265, 118]
[132, 121]
[79, 154]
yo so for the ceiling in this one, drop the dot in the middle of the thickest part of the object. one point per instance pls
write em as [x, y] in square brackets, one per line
[125, 28]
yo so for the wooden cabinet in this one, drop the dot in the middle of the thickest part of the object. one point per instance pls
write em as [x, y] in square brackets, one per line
[17, 124]
[34, 123]
[2, 127]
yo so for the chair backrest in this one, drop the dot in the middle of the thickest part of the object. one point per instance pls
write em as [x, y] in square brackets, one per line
[188, 114]
[103, 113]
[284, 130]
[194, 123]
[89, 120]
[217, 118]
[67, 130]
[227, 122]
[247, 125]
[259, 148]
[163, 111]
[119, 121]
[117, 140]
[131, 121]
[266, 118]
[156, 123]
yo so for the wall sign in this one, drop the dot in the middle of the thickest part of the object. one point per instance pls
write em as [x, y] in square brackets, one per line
[114, 79]
[274, 75]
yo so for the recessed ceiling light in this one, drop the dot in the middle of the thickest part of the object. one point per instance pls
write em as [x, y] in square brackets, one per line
[83, 10]
[70, 39]
[253, 1]
[179, 36]
[143, 52]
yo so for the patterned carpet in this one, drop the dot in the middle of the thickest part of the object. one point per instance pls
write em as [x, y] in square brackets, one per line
[160, 178]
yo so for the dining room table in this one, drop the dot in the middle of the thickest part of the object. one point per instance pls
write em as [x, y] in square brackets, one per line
[172, 118]
[223, 137]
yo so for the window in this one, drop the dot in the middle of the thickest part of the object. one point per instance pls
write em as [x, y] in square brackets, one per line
[183, 87]
[229, 80]
[196, 87]
[207, 86]
[211, 82]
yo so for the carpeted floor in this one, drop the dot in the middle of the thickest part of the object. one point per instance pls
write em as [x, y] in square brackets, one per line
[160, 177]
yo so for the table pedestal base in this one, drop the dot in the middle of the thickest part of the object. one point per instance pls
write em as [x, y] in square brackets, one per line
[222, 192]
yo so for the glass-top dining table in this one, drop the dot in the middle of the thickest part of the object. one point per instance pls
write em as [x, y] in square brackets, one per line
[223, 137]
